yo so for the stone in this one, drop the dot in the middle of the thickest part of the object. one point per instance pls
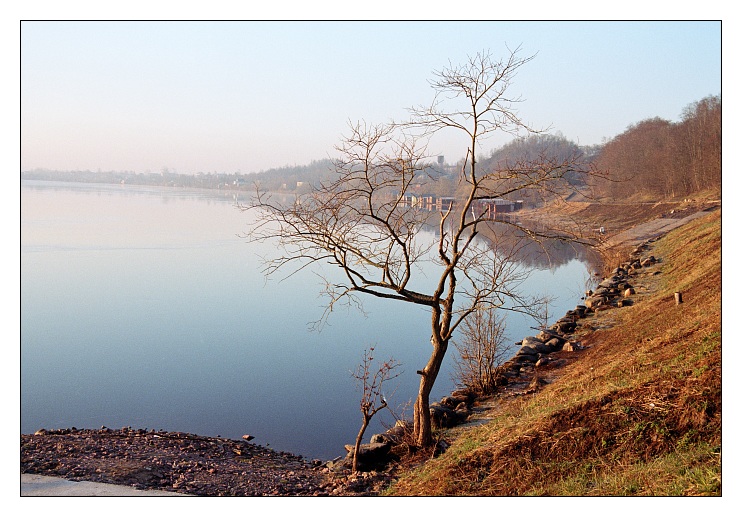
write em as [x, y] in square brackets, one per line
[547, 335]
[648, 261]
[453, 401]
[527, 350]
[595, 301]
[533, 345]
[565, 327]
[609, 282]
[530, 341]
[370, 455]
[628, 292]
[394, 435]
[524, 358]
[554, 344]
[444, 417]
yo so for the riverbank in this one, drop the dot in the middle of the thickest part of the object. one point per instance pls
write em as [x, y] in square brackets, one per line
[216, 466]
[637, 411]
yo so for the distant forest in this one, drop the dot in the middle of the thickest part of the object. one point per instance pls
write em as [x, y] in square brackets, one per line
[653, 159]
[664, 160]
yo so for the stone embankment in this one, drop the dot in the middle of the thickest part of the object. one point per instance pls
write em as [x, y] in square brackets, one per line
[551, 348]
[612, 292]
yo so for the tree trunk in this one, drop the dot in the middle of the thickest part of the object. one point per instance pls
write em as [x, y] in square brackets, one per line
[422, 425]
[357, 448]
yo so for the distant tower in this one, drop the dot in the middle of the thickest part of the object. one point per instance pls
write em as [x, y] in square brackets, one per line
[440, 160]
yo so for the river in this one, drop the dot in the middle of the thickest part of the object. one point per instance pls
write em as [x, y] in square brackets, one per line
[144, 307]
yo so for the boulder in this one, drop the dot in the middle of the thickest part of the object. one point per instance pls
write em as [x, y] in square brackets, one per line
[547, 335]
[554, 344]
[542, 362]
[564, 326]
[453, 401]
[371, 456]
[522, 357]
[528, 350]
[534, 345]
[393, 436]
[595, 301]
[445, 417]
[609, 282]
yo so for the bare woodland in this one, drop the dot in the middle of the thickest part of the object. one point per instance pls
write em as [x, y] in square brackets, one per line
[658, 159]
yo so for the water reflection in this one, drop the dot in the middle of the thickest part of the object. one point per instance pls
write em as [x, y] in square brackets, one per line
[143, 307]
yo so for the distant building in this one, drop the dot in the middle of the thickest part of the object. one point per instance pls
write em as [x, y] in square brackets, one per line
[493, 206]
[489, 208]
[444, 203]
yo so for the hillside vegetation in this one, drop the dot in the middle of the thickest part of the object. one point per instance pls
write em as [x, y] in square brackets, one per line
[637, 413]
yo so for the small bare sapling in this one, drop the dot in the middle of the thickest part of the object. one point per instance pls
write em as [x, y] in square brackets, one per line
[372, 401]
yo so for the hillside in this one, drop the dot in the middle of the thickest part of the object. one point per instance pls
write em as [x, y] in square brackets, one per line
[636, 411]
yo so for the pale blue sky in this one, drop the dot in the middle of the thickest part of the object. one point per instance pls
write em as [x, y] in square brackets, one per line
[247, 96]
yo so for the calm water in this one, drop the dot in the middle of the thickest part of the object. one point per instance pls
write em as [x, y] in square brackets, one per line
[143, 307]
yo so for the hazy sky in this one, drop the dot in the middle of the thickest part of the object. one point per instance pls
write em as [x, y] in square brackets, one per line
[248, 96]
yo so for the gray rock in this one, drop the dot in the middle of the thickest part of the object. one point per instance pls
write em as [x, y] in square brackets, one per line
[370, 456]
[554, 344]
[595, 301]
[445, 417]
[547, 335]
[564, 326]
[453, 401]
[609, 282]
[521, 358]
[527, 350]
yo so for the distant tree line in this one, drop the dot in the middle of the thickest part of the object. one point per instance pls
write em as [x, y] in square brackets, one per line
[288, 178]
[652, 159]
[659, 159]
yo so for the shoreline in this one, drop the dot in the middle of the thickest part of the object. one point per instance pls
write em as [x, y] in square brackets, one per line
[136, 457]
[540, 357]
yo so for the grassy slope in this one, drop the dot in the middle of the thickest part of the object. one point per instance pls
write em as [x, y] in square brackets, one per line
[638, 414]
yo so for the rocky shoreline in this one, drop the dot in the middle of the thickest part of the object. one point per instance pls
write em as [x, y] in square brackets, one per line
[184, 463]
[534, 365]
[187, 463]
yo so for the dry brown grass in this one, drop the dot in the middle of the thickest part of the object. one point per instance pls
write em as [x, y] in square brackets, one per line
[638, 414]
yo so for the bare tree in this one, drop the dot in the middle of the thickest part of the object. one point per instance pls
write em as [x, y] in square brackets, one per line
[362, 223]
[480, 351]
[372, 399]
[659, 159]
